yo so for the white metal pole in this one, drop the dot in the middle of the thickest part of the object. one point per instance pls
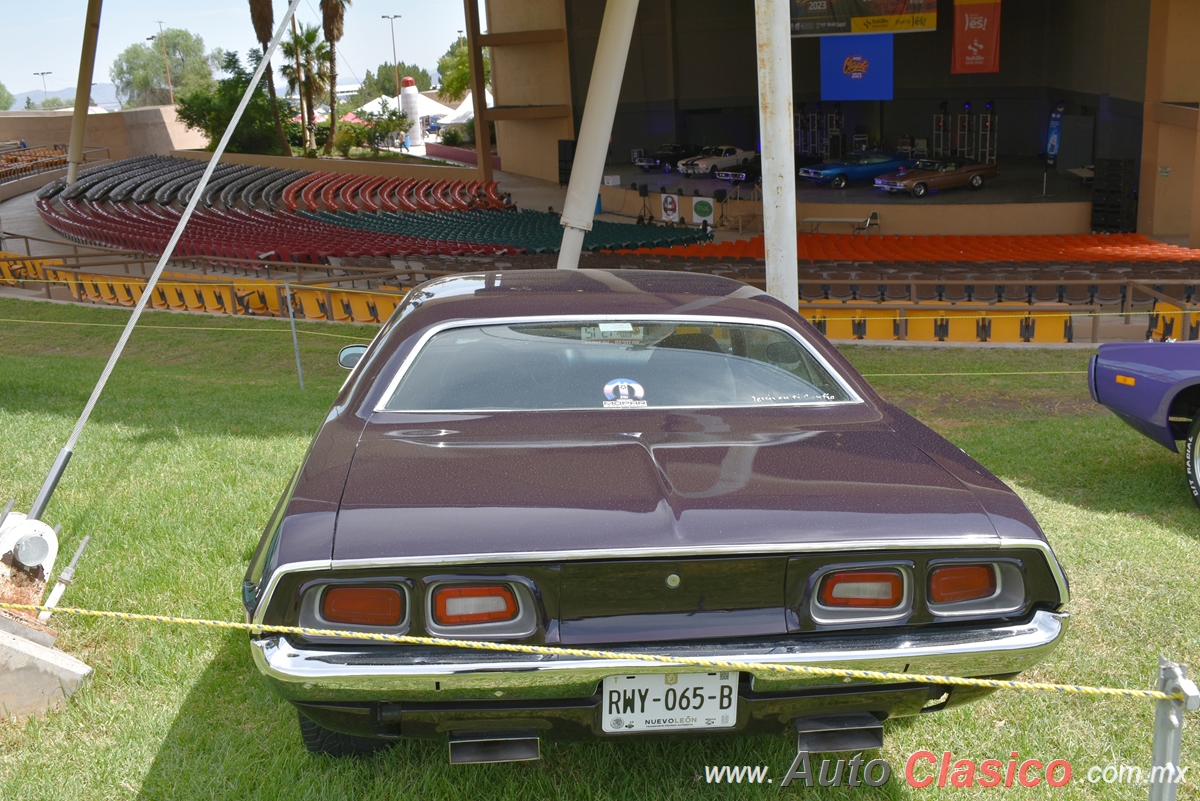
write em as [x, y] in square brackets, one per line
[83, 92]
[596, 128]
[773, 31]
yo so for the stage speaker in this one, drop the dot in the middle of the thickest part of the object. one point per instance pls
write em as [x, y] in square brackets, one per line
[644, 190]
[719, 195]
[566, 158]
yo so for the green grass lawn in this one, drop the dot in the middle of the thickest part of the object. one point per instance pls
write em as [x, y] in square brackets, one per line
[200, 429]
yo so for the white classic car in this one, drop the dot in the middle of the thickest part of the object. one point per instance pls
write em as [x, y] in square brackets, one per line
[715, 158]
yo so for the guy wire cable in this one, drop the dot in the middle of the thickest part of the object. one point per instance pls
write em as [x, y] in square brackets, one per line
[64, 456]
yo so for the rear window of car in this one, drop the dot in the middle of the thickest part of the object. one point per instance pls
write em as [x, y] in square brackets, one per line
[612, 365]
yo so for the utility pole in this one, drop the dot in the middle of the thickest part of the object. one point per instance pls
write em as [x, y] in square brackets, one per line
[166, 62]
[45, 92]
[395, 64]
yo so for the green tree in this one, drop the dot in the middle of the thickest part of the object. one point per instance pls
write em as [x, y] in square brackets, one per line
[6, 98]
[211, 111]
[262, 16]
[383, 125]
[382, 82]
[305, 51]
[141, 76]
[333, 22]
[51, 103]
[455, 69]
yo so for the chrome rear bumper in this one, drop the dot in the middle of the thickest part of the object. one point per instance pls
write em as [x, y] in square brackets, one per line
[371, 672]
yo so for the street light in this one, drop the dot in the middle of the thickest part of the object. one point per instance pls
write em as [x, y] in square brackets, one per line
[396, 64]
[166, 63]
[45, 93]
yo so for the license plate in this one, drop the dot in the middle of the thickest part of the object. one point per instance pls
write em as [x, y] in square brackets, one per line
[670, 702]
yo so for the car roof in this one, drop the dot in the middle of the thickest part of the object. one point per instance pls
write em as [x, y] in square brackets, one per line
[564, 293]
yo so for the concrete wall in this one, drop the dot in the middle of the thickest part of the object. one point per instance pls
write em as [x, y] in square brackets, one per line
[137, 132]
[530, 74]
[1169, 191]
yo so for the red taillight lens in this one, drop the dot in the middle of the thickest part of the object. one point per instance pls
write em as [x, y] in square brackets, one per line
[363, 606]
[955, 583]
[485, 603]
[868, 589]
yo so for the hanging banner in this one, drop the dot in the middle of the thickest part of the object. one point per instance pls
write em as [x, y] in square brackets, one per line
[702, 209]
[856, 68]
[670, 207]
[1054, 133]
[976, 36]
[832, 17]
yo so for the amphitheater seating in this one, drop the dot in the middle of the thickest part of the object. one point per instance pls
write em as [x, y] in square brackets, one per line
[21, 163]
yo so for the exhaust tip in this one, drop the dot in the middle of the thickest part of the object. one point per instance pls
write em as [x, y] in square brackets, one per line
[822, 734]
[478, 747]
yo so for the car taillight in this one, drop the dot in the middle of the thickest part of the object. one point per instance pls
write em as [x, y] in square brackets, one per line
[480, 603]
[956, 583]
[363, 606]
[862, 589]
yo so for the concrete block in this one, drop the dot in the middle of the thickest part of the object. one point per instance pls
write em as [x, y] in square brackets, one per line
[34, 678]
[32, 631]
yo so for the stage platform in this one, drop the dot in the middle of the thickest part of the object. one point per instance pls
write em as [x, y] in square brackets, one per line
[1012, 204]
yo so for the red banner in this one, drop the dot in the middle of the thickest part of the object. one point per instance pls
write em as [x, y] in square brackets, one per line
[976, 36]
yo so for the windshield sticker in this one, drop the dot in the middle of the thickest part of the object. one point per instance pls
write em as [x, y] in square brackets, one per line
[623, 393]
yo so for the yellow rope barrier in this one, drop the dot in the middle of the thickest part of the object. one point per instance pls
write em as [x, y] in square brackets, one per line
[587, 653]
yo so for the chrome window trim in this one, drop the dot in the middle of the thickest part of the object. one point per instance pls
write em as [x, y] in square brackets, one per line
[972, 541]
[394, 383]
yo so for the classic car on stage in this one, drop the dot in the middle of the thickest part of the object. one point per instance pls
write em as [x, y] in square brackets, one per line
[1155, 388]
[713, 159]
[748, 173]
[666, 157]
[932, 175]
[650, 463]
[854, 167]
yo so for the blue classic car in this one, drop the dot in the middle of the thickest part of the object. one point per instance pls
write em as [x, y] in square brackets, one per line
[864, 166]
[1154, 387]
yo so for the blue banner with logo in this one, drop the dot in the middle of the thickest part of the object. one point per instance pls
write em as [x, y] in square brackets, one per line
[1054, 133]
[856, 67]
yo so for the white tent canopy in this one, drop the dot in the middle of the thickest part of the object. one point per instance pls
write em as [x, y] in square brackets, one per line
[466, 109]
[425, 106]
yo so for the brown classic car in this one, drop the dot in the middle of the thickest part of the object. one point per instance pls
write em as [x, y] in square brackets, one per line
[932, 175]
[643, 462]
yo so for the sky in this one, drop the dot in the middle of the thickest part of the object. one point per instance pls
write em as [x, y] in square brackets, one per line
[47, 34]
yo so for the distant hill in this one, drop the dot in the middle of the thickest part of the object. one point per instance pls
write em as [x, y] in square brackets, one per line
[105, 94]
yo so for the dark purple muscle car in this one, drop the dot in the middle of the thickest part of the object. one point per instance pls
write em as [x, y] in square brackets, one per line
[1155, 388]
[650, 463]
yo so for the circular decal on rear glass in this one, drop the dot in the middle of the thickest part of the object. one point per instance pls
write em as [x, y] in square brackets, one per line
[622, 393]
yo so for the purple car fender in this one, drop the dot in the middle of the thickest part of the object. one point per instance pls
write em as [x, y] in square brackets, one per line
[1152, 386]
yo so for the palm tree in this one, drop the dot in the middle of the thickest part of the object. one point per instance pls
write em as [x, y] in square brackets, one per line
[333, 17]
[262, 14]
[305, 51]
